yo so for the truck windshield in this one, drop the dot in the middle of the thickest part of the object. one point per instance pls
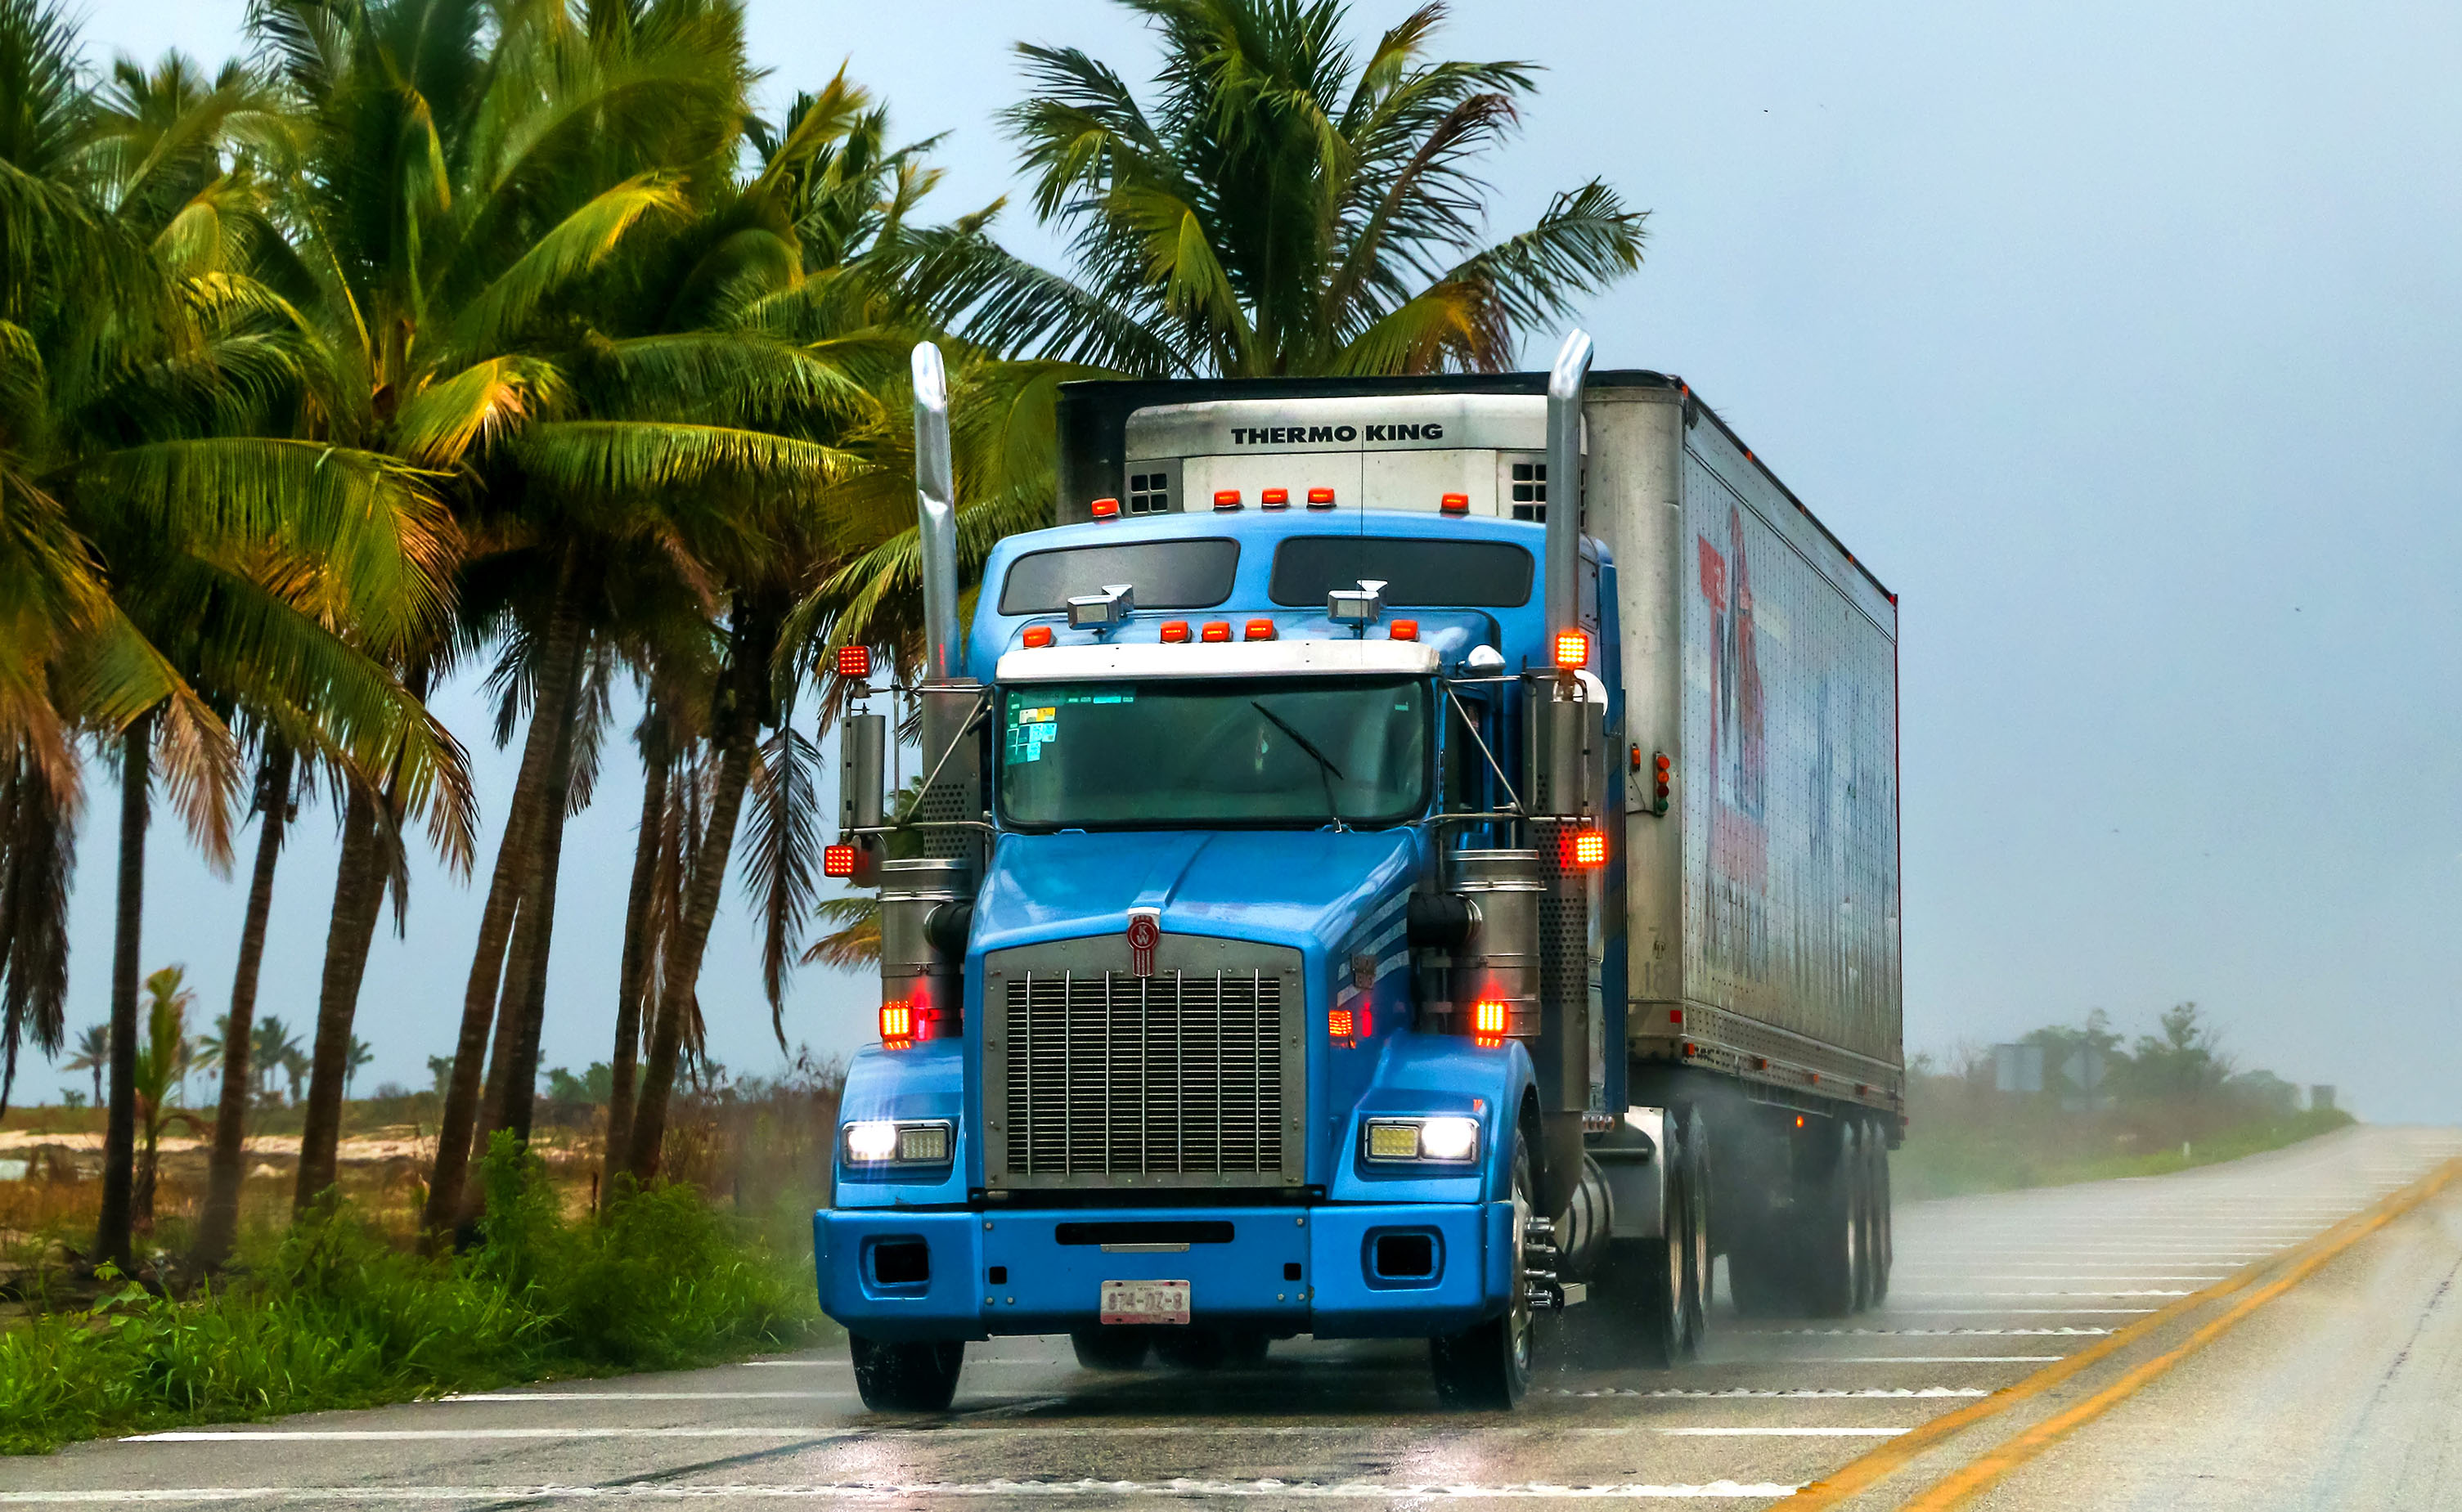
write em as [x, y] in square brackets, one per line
[1174, 755]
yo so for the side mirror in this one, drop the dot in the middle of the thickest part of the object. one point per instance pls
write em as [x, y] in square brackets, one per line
[862, 754]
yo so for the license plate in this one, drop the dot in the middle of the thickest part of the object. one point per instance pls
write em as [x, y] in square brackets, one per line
[1145, 1302]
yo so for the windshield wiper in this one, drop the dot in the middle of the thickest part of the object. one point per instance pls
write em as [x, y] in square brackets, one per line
[1327, 770]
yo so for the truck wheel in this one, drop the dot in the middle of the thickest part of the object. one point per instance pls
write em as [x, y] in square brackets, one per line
[906, 1377]
[1111, 1349]
[1832, 1233]
[1695, 1154]
[1488, 1366]
[1881, 1253]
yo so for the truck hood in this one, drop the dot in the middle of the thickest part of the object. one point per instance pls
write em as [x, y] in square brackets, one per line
[1294, 887]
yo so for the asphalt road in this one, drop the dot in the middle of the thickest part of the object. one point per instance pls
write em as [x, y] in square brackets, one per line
[2296, 1408]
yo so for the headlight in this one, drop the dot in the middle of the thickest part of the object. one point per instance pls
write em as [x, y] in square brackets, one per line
[1440, 1140]
[884, 1141]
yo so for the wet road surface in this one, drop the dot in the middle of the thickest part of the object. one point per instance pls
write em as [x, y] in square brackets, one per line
[1987, 1291]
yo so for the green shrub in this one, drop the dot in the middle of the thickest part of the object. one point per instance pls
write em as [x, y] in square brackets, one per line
[335, 1315]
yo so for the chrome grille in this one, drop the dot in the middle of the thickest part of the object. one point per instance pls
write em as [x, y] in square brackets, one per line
[1114, 1073]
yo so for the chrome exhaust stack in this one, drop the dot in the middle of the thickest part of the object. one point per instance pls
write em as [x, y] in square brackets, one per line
[1564, 547]
[936, 507]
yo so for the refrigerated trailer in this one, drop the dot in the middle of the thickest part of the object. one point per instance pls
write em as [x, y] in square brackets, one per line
[1400, 858]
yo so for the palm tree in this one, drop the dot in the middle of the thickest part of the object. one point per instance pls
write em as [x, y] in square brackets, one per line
[227, 1165]
[360, 1057]
[143, 378]
[271, 1047]
[1280, 207]
[160, 1061]
[92, 1054]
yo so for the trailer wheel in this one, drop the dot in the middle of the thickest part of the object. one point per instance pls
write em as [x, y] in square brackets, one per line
[1832, 1207]
[1883, 1250]
[906, 1377]
[1111, 1349]
[1488, 1365]
[1697, 1261]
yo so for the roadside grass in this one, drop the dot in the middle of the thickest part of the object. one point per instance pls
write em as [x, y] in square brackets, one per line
[337, 1313]
[1944, 1158]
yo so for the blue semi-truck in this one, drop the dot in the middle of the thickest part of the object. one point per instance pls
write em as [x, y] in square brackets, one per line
[1401, 859]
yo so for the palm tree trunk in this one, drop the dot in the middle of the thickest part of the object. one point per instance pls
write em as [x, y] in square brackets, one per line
[462, 1095]
[743, 698]
[632, 978]
[219, 1224]
[513, 1077]
[358, 897]
[111, 1241]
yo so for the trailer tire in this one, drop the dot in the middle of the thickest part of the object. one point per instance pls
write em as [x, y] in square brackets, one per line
[1110, 1347]
[1832, 1205]
[1883, 1249]
[906, 1377]
[1487, 1366]
[1699, 1273]
[1650, 1292]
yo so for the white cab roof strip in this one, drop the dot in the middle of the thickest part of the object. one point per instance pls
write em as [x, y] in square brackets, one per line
[1236, 659]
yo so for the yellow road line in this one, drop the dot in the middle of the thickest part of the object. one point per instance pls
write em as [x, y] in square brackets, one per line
[1860, 1474]
[1989, 1469]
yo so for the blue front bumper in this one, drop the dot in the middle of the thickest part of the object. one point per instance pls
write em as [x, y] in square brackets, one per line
[1287, 1270]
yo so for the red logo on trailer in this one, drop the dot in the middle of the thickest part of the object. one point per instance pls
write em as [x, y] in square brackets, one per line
[1145, 930]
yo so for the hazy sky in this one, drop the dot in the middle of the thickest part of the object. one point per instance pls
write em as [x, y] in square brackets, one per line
[2117, 338]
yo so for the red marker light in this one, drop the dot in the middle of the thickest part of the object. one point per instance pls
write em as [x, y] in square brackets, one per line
[1583, 849]
[1572, 648]
[1259, 630]
[1106, 509]
[837, 860]
[1404, 630]
[1175, 631]
[1275, 498]
[1227, 498]
[1456, 503]
[897, 1024]
[855, 661]
[1320, 498]
[1215, 630]
[1337, 1024]
[1037, 636]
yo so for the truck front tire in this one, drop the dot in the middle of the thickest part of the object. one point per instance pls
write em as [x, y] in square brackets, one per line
[1488, 1366]
[906, 1377]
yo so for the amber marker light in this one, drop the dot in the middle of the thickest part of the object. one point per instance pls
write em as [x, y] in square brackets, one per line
[1275, 498]
[1215, 630]
[1174, 631]
[1584, 849]
[1404, 630]
[1259, 630]
[1572, 648]
[1106, 509]
[1037, 636]
[1454, 504]
[897, 1024]
[1320, 498]
[1227, 498]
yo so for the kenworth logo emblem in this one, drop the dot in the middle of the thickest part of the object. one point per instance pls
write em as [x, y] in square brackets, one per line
[1145, 930]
